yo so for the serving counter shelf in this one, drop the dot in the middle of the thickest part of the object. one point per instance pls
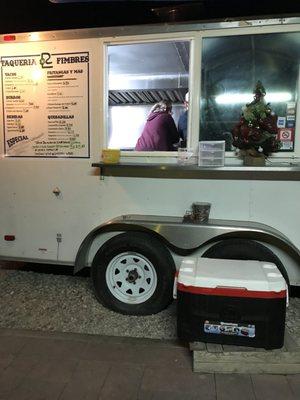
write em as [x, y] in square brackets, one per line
[276, 172]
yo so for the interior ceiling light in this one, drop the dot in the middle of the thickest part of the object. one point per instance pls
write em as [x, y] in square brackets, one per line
[240, 98]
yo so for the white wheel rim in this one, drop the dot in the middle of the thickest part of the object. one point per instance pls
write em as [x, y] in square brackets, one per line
[131, 278]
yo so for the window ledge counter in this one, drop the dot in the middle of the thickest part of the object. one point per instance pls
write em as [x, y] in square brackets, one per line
[276, 172]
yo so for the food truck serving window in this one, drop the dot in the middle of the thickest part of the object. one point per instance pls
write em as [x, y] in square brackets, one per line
[141, 75]
[231, 67]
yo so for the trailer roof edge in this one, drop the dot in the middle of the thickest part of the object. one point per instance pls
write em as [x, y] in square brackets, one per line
[129, 30]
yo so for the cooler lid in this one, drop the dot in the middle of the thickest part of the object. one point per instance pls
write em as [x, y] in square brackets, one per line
[247, 274]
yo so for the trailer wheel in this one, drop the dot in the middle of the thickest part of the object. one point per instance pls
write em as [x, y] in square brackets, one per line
[133, 273]
[243, 249]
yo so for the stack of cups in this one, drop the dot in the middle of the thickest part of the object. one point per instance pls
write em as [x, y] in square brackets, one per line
[200, 211]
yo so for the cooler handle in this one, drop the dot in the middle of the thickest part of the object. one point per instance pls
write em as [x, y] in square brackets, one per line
[231, 287]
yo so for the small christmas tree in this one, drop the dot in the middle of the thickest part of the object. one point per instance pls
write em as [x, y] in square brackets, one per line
[256, 132]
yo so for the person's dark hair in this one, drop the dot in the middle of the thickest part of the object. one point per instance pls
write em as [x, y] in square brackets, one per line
[162, 106]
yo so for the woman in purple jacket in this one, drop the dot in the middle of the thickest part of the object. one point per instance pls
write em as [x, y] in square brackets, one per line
[160, 132]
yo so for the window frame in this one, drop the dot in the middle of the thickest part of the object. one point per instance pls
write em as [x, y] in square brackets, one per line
[155, 38]
[195, 63]
[248, 30]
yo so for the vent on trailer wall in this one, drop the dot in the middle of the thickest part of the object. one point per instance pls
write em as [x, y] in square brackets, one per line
[149, 96]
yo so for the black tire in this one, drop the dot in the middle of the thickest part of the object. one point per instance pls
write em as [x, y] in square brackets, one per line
[147, 247]
[244, 249]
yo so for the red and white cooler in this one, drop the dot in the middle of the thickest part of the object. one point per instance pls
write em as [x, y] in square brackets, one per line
[231, 302]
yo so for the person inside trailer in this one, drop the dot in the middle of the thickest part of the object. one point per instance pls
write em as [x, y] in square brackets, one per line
[160, 132]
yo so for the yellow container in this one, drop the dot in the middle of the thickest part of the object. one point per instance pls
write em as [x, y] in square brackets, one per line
[110, 156]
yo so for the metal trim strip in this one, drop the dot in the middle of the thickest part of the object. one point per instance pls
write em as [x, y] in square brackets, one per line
[160, 28]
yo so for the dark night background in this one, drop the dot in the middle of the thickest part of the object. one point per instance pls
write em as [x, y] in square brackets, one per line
[35, 15]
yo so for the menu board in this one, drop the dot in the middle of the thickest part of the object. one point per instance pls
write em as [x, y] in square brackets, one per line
[46, 105]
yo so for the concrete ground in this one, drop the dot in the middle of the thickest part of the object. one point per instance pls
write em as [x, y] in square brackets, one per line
[36, 365]
[49, 366]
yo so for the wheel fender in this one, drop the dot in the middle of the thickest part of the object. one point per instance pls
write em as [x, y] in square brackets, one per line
[184, 239]
[82, 256]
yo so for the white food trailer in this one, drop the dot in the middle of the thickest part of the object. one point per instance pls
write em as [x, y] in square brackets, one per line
[67, 95]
